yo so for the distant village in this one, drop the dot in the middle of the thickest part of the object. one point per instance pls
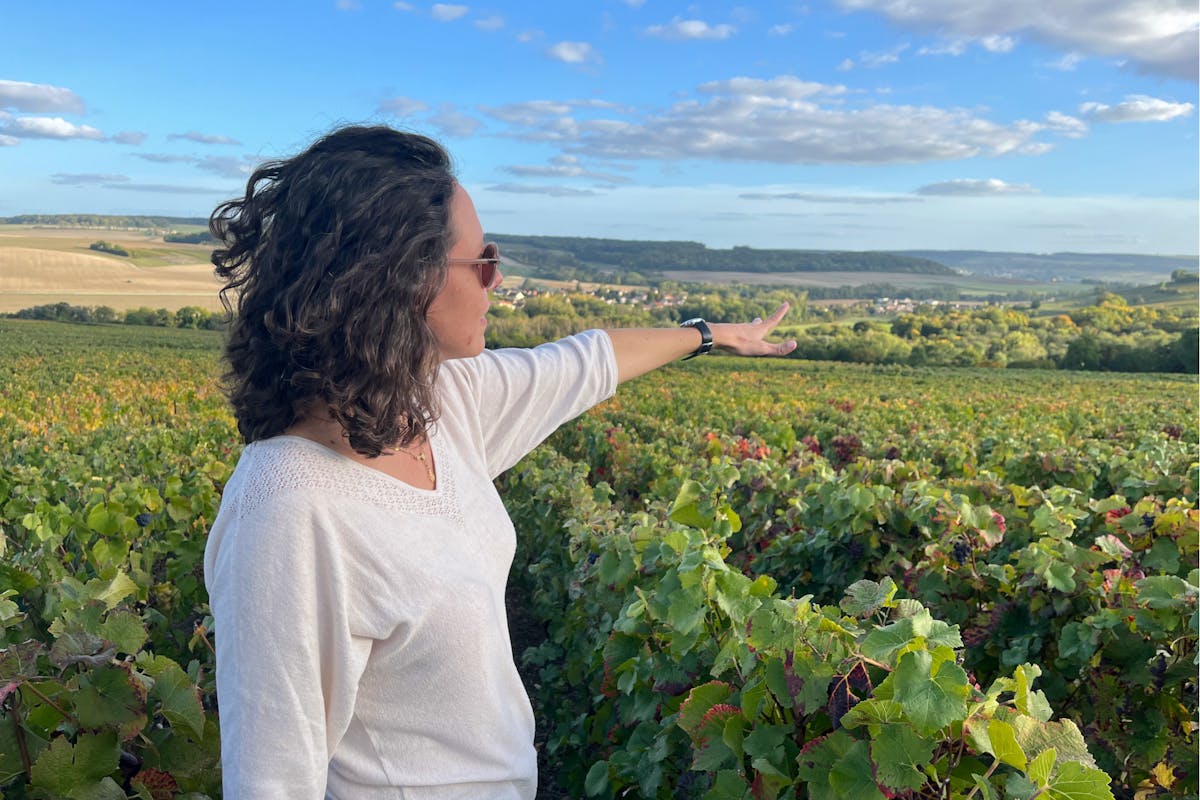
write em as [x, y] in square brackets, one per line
[515, 296]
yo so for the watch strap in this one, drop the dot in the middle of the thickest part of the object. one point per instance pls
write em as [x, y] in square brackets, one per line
[706, 339]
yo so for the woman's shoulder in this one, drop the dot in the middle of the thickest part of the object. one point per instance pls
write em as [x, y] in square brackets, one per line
[277, 467]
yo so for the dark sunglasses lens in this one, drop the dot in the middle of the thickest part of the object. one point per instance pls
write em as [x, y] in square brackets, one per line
[487, 273]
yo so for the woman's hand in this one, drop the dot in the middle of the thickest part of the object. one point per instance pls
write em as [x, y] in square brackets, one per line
[639, 350]
[747, 338]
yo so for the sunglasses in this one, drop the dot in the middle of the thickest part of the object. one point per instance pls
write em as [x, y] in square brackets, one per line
[488, 263]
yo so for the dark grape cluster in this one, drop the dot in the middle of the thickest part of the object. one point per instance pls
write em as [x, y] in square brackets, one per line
[961, 552]
[143, 519]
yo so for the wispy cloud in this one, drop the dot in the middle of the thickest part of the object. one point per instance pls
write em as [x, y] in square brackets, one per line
[552, 191]
[85, 178]
[493, 23]
[39, 98]
[783, 120]
[445, 12]
[882, 58]
[817, 197]
[401, 106]
[1157, 36]
[203, 138]
[573, 53]
[782, 29]
[566, 167]
[681, 29]
[1137, 108]
[129, 137]
[48, 128]
[451, 122]
[972, 187]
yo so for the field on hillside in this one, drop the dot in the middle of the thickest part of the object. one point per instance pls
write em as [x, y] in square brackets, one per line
[755, 579]
[48, 265]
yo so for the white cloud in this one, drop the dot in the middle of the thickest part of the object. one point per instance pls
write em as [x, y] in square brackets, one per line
[402, 6]
[1137, 108]
[85, 179]
[39, 98]
[444, 12]
[1067, 63]
[493, 23]
[680, 29]
[552, 191]
[953, 47]
[203, 138]
[998, 44]
[565, 167]
[166, 158]
[48, 128]
[401, 106]
[1072, 127]
[971, 187]
[573, 52]
[846, 65]
[349, 5]
[8, 141]
[129, 137]
[879, 59]
[1157, 35]
[225, 166]
[840, 199]
[781, 30]
[454, 123]
[784, 121]
[635, 3]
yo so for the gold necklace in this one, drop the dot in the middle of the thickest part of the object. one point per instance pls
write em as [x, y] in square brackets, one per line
[420, 457]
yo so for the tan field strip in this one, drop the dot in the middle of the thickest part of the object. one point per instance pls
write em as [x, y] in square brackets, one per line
[31, 276]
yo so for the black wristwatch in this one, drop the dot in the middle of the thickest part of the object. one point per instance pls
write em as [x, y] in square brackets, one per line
[706, 342]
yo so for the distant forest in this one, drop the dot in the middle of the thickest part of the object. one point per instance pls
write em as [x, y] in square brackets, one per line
[104, 220]
[582, 258]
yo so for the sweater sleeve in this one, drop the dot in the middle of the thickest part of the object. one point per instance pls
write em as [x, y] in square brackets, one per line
[287, 664]
[520, 396]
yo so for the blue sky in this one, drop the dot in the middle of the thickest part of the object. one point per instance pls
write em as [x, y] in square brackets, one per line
[1033, 125]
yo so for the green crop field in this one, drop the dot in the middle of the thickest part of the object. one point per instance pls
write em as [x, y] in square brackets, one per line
[755, 579]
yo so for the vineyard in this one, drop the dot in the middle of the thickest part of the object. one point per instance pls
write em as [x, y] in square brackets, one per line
[755, 579]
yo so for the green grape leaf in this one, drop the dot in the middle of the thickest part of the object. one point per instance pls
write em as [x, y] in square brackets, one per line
[1063, 735]
[1077, 782]
[64, 766]
[110, 696]
[1162, 591]
[865, 597]
[105, 789]
[986, 792]
[873, 711]
[685, 510]
[596, 781]
[125, 630]
[1004, 744]
[179, 697]
[932, 700]
[1061, 576]
[699, 700]
[729, 785]
[1039, 768]
[19, 661]
[899, 754]
[851, 777]
[77, 646]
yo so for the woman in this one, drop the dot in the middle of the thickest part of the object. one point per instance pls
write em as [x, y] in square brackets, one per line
[357, 566]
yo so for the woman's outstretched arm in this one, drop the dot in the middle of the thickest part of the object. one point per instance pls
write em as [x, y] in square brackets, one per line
[640, 350]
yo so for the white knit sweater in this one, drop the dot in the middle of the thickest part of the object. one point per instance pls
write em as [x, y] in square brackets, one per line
[362, 643]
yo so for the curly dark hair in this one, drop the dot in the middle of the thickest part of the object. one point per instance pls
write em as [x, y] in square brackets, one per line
[333, 257]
